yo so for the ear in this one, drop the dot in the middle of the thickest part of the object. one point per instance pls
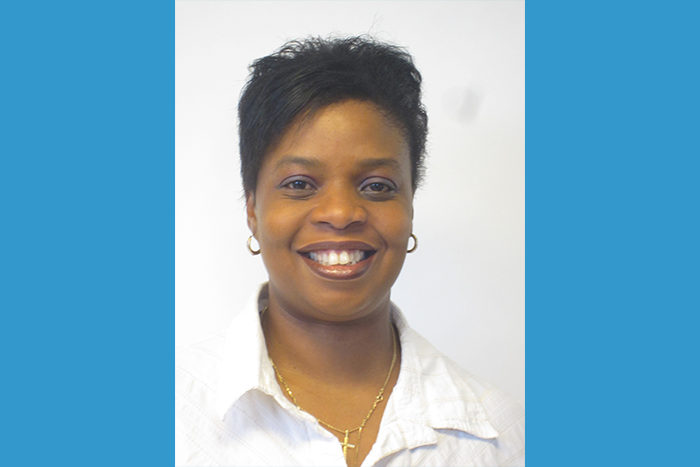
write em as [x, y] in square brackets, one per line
[250, 212]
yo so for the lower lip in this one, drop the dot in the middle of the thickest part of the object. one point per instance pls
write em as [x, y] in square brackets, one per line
[338, 271]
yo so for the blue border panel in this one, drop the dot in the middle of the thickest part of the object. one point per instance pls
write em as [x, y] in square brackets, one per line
[87, 199]
[86, 190]
[612, 233]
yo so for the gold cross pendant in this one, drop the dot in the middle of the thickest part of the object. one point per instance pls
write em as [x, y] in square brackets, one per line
[346, 445]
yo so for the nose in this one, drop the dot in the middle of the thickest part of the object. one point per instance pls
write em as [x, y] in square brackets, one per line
[339, 207]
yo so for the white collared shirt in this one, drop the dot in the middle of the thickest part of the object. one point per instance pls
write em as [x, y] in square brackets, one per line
[230, 410]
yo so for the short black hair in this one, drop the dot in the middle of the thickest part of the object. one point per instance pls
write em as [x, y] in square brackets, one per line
[304, 76]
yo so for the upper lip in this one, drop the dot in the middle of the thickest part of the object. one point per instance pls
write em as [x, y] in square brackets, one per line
[347, 245]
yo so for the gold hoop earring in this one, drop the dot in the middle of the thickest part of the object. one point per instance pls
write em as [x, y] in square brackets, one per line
[252, 252]
[415, 244]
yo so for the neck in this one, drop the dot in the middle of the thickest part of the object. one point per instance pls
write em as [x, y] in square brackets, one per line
[352, 353]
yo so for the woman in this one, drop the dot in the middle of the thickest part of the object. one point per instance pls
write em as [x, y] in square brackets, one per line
[321, 368]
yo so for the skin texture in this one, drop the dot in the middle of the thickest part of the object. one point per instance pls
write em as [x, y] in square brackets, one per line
[322, 195]
[342, 176]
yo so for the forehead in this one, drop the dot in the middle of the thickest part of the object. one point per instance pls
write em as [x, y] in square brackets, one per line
[347, 133]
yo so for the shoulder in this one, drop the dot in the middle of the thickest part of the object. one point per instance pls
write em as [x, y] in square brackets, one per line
[198, 361]
[196, 375]
[504, 413]
[458, 400]
[502, 410]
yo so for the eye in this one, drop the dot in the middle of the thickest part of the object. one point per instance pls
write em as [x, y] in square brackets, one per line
[378, 188]
[298, 187]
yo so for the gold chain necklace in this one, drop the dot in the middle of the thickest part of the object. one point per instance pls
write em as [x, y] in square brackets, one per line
[377, 400]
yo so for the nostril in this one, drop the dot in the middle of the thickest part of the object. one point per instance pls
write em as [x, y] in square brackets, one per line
[339, 215]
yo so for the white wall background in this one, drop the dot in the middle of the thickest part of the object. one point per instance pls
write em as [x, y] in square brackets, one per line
[464, 288]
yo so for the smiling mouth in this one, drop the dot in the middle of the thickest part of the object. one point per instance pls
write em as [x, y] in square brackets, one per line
[339, 257]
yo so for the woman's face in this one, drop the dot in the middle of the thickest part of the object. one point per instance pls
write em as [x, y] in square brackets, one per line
[333, 212]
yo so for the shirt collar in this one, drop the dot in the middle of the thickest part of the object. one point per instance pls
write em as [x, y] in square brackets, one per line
[245, 365]
[430, 391]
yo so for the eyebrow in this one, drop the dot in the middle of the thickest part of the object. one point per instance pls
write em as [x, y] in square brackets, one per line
[313, 162]
[380, 162]
[298, 160]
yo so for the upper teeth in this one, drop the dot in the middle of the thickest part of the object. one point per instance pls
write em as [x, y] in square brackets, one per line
[333, 257]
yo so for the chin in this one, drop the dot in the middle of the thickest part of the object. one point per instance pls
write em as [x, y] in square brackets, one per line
[340, 307]
[328, 300]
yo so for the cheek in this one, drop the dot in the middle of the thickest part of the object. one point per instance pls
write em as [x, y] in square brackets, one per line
[396, 226]
[277, 224]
